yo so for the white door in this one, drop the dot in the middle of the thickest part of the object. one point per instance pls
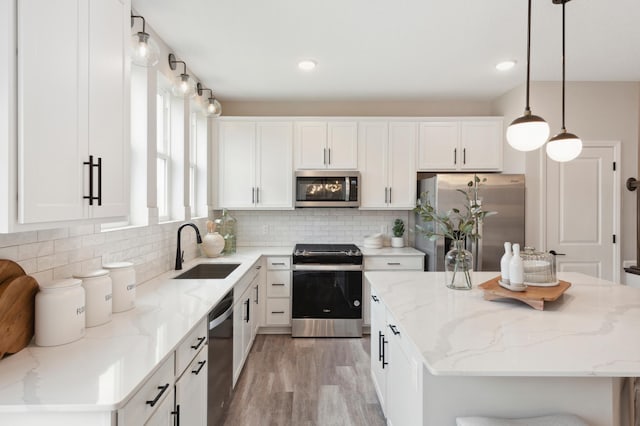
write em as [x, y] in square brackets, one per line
[372, 150]
[481, 144]
[402, 167]
[582, 211]
[311, 144]
[108, 103]
[191, 391]
[274, 185]
[52, 104]
[237, 165]
[438, 146]
[342, 145]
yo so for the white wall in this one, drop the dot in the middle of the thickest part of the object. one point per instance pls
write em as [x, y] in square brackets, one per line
[595, 111]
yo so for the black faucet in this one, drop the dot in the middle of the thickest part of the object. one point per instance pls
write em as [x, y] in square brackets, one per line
[179, 252]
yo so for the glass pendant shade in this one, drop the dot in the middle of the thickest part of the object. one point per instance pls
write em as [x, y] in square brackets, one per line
[528, 132]
[214, 109]
[184, 86]
[564, 147]
[144, 50]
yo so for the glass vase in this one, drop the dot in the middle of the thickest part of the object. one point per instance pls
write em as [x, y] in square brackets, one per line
[227, 228]
[458, 266]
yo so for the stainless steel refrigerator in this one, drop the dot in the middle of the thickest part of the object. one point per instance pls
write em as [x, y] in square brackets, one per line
[502, 193]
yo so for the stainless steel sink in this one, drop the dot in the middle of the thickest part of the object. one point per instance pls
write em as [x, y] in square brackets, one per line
[208, 271]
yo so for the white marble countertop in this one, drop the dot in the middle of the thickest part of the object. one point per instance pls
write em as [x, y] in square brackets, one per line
[592, 330]
[103, 369]
[390, 251]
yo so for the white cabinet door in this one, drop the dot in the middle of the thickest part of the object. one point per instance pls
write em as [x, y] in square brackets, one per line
[438, 146]
[109, 103]
[342, 145]
[311, 144]
[379, 345]
[402, 167]
[481, 143]
[164, 414]
[237, 165]
[274, 185]
[191, 392]
[404, 383]
[372, 150]
[256, 290]
[238, 349]
[52, 105]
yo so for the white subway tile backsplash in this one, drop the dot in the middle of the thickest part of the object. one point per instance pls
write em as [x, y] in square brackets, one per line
[10, 253]
[53, 234]
[33, 250]
[18, 238]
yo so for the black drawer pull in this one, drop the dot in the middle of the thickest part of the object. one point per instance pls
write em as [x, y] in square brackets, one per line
[375, 298]
[278, 284]
[200, 341]
[277, 312]
[162, 389]
[277, 263]
[197, 371]
[394, 329]
[394, 263]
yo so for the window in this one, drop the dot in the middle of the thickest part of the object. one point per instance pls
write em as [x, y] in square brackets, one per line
[163, 142]
[193, 166]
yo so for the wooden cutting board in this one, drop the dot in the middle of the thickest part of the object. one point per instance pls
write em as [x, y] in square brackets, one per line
[532, 296]
[17, 307]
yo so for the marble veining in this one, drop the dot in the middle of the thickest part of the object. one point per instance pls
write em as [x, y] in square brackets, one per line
[590, 331]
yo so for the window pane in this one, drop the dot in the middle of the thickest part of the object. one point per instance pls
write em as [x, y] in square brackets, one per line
[192, 189]
[162, 188]
[160, 123]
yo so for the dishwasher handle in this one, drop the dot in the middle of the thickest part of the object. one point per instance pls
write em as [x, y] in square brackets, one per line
[220, 319]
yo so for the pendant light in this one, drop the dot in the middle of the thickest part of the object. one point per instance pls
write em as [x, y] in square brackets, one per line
[564, 146]
[528, 132]
[183, 86]
[213, 107]
[144, 51]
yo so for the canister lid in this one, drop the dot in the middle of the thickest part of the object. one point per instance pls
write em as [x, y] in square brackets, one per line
[117, 265]
[92, 274]
[60, 284]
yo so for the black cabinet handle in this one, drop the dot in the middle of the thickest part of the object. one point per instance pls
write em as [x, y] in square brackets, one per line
[162, 389]
[201, 366]
[200, 341]
[384, 354]
[553, 252]
[99, 181]
[277, 263]
[394, 329]
[375, 298]
[393, 263]
[389, 195]
[257, 295]
[464, 156]
[329, 155]
[177, 414]
[277, 284]
[380, 338]
[455, 155]
[277, 312]
[247, 304]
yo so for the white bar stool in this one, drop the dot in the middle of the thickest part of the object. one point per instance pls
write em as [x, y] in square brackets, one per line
[551, 420]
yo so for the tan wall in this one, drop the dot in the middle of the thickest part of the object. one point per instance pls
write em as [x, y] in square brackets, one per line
[595, 111]
[360, 108]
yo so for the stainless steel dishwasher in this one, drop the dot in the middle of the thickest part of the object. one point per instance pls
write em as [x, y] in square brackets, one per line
[220, 381]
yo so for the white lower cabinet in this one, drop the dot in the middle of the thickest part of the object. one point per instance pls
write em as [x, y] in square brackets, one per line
[165, 415]
[191, 392]
[278, 289]
[246, 317]
[396, 368]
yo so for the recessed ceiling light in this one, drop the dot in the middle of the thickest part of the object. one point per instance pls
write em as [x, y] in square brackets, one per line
[307, 65]
[505, 65]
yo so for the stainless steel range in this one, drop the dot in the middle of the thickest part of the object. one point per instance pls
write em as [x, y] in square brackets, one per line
[327, 291]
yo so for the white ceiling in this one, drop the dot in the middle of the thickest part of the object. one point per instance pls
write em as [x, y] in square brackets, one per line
[392, 49]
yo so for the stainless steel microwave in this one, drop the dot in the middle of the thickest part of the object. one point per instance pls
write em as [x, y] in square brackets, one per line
[327, 188]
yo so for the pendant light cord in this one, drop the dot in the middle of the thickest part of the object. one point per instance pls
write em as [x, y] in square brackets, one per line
[563, 72]
[527, 108]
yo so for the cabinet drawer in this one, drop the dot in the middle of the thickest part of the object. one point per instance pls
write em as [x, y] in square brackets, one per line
[150, 396]
[278, 284]
[275, 263]
[278, 312]
[414, 263]
[190, 347]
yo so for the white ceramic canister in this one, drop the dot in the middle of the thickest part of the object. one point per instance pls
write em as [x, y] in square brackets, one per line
[97, 293]
[123, 279]
[60, 312]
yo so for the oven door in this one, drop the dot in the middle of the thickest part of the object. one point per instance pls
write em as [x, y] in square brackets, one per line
[327, 294]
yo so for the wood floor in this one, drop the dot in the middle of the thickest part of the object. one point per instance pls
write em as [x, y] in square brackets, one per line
[305, 382]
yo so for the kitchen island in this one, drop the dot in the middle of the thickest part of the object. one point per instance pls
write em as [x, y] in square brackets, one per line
[463, 355]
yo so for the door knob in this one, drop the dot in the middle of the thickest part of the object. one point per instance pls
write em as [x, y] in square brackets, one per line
[553, 252]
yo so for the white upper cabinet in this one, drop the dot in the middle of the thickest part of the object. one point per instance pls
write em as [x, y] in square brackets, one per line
[326, 145]
[461, 145]
[387, 151]
[72, 101]
[255, 165]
